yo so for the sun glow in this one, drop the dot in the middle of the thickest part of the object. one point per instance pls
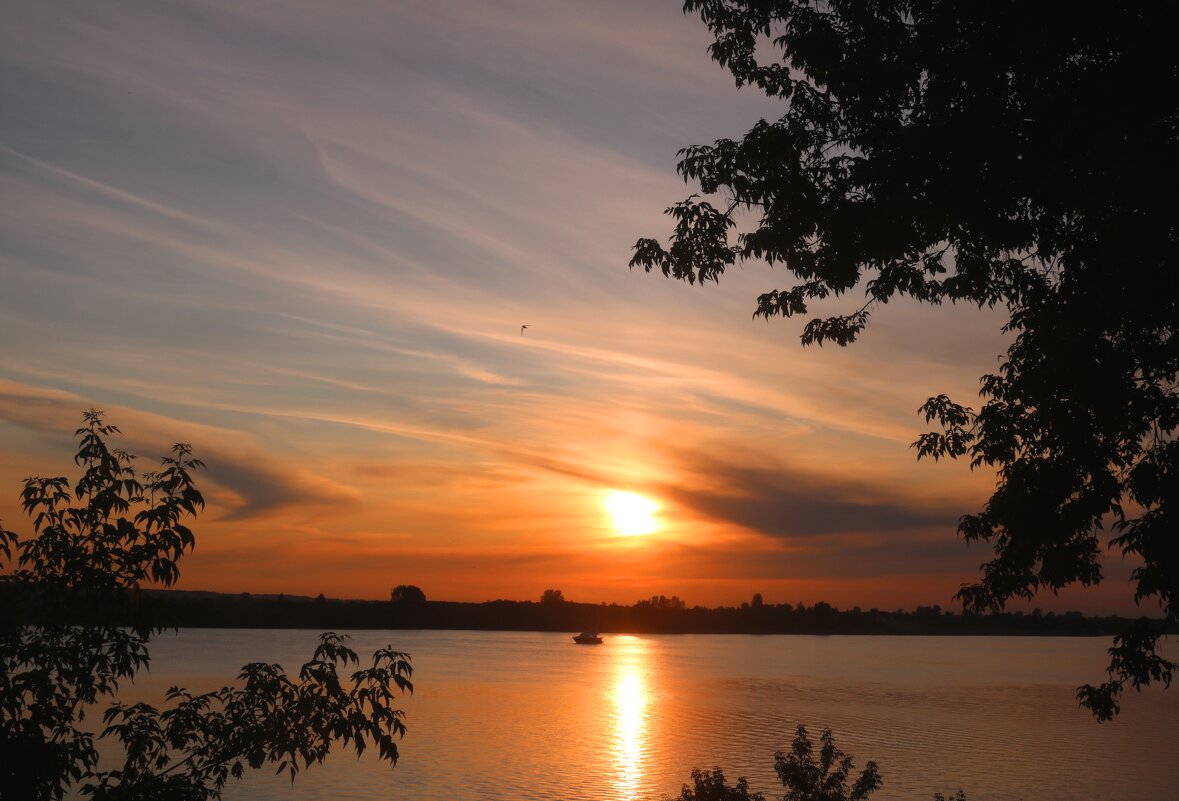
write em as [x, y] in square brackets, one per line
[632, 514]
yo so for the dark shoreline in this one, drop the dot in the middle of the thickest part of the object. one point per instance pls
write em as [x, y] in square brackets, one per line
[183, 609]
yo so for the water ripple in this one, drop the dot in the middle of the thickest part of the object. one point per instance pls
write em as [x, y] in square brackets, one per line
[506, 716]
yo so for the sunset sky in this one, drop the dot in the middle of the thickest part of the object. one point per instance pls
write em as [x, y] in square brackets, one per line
[304, 238]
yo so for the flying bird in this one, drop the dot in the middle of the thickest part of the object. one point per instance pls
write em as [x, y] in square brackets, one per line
[522, 329]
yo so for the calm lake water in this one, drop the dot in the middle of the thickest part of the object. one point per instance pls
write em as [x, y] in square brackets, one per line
[507, 715]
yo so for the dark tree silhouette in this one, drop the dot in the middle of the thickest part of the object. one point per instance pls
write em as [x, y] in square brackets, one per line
[711, 787]
[824, 777]
[63, 598]
[805, 775]
[407, 594]
[997, 154]
[552, 597]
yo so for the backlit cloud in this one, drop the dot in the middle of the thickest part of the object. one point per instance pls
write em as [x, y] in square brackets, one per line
[251, 483]
[789, 501]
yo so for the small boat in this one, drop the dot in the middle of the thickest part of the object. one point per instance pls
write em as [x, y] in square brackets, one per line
[588, 638]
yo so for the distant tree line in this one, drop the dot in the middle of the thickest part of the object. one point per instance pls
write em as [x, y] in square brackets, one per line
[408, 608]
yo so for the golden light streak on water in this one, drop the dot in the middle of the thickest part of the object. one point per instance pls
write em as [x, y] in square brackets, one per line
[631, 710]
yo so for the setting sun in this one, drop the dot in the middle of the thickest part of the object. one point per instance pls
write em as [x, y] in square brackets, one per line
[632, 514]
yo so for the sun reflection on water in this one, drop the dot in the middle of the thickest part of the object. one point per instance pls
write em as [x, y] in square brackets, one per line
[631, 710]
